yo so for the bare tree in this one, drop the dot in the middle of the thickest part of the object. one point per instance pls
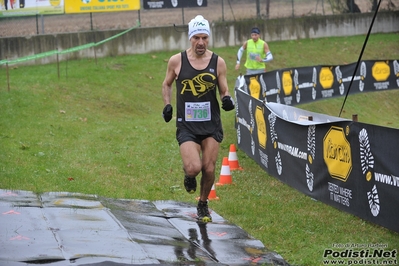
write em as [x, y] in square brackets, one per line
[391, 5]
[257, 8]
[344, 6]
[352, 6]
[267, 8]
[373, 5]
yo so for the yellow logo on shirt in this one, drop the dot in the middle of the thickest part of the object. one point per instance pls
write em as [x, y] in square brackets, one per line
[199, 85]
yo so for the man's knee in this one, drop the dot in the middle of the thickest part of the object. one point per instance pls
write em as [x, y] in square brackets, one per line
[208, 169]
[192, 169]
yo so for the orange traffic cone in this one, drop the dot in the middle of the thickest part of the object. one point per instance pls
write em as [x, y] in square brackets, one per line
[225, 174]
[233, 160]
[212, 194]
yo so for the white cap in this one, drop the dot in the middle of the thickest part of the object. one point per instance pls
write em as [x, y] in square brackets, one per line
[198, 25]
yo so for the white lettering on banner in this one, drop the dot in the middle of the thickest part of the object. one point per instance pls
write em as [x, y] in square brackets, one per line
[18, 13]
[155, 4]
[288, 100]
[333, 187]
[348, 79]
[381, 85]
[340, 194]
[327, 93]
[306, 85]
[387, 179]
[272, 91]
[294, 151]
[264, 159]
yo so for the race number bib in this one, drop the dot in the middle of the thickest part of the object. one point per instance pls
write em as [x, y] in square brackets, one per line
[197, 112]
[253, 56]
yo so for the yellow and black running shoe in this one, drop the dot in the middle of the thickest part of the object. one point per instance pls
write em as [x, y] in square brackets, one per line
[203, 212]
[190, 183]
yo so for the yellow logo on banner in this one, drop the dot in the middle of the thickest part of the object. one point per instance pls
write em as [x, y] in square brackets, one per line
[55, 2]
[326, 77]
[254, 87]
[380, 71]
[337, 153]
[287, 82]
[261, 125]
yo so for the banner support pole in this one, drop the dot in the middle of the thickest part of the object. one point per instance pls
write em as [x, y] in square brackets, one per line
[360, 57]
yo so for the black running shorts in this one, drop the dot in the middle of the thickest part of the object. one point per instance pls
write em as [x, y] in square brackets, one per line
[183, 135]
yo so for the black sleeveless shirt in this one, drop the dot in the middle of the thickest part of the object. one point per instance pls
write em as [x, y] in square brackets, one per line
[196, 92]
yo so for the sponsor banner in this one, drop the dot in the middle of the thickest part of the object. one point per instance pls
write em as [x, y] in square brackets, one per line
[91, 6]
[306, 84]
[345, 164]
[157, 4]
[15, 8]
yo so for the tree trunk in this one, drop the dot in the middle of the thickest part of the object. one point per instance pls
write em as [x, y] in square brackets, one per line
[257, 9]
[352, 6]
[374, 5]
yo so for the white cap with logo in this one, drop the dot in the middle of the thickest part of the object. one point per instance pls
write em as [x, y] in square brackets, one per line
[198, 25]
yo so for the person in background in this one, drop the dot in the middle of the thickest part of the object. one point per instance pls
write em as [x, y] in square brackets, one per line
[258, 53]
[199, 74]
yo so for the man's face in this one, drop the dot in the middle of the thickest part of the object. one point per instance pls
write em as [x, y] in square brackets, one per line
[255, 37]
[199, 43]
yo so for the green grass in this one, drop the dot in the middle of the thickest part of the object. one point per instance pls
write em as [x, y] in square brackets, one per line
[98, 130]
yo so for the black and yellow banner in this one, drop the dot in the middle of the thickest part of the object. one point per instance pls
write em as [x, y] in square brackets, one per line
[156, 4]
[349, 165]
[293, 86]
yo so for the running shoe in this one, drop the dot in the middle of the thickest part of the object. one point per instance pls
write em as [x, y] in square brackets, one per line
[203, 212]
[190, 183]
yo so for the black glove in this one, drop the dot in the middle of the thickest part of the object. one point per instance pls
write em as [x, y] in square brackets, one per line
[227, 103]
[167, 113]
